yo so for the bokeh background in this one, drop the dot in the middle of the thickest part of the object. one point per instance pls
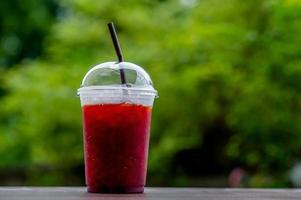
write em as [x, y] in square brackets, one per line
[228, 75]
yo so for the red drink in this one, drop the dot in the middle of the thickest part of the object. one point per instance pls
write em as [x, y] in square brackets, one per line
[116, 138]
[116, 121]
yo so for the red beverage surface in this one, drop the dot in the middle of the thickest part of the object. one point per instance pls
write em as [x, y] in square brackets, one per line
[116, 138]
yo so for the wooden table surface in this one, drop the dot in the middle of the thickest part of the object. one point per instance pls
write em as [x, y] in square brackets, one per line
[79, 193]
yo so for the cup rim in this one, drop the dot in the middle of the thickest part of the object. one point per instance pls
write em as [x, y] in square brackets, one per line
[96, 89]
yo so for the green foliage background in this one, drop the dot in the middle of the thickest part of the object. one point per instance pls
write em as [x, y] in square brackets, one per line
[213, 62]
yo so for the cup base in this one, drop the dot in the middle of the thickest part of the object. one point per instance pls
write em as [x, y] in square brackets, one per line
[115, 190]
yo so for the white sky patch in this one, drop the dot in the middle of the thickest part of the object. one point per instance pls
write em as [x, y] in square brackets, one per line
[188, 3]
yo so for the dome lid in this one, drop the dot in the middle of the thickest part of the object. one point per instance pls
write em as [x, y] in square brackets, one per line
[107, 76]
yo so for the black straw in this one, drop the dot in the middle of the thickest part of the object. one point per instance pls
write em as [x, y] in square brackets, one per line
[117, 49]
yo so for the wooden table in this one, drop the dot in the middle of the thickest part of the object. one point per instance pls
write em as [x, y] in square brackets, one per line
[79, 193]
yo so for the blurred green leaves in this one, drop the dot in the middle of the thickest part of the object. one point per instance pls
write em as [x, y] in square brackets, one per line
[22, 29]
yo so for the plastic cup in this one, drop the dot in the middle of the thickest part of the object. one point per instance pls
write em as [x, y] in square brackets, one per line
[116, 128]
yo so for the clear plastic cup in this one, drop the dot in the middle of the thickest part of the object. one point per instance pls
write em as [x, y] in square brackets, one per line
[116, 127]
